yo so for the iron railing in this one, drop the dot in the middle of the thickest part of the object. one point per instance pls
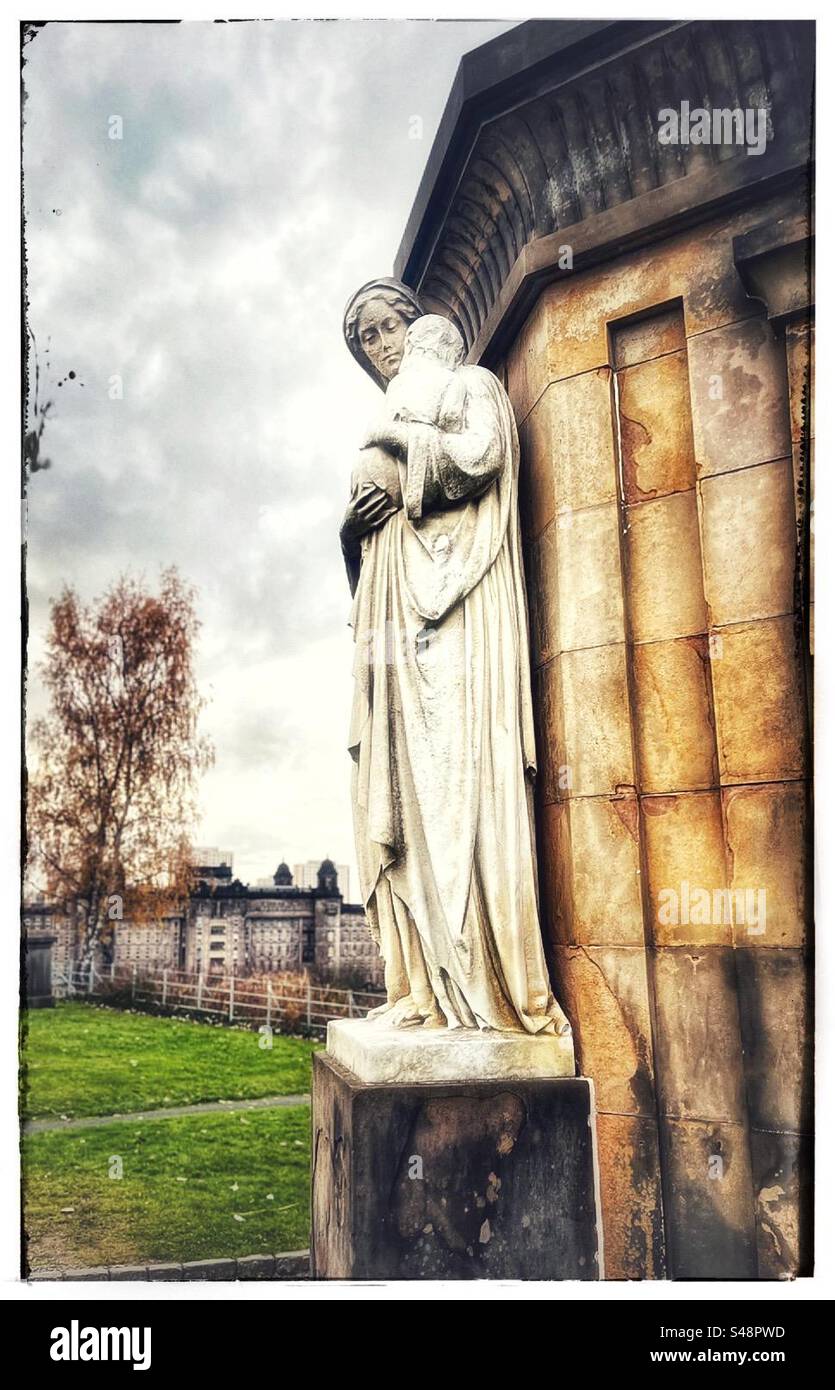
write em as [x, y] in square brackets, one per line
[286, 1003]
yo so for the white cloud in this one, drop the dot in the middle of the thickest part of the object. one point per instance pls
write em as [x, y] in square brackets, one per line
[265, 171]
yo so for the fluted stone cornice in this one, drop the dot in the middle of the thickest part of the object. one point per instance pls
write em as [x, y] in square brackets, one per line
[567, 132]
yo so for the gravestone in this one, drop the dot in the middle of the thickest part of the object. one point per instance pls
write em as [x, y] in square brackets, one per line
[38, 956]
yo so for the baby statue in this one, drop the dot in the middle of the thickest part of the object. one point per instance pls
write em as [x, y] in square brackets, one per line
[425, 391]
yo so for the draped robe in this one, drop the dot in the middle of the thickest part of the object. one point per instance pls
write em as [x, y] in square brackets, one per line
[442, 731]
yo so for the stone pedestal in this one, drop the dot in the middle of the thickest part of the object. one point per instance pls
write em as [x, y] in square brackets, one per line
[481, 1178]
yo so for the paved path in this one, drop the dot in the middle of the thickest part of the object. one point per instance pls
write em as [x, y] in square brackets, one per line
[171, 1112]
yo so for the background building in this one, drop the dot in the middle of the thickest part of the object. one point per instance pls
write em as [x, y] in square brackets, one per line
[306, 876]
[229, 927]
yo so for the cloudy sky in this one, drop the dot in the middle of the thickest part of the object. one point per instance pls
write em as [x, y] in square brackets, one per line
[265, 171]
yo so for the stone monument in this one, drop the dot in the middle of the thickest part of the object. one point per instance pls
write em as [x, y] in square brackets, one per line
[451, 1138]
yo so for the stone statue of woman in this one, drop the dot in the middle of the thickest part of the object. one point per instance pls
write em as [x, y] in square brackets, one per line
[441, 729]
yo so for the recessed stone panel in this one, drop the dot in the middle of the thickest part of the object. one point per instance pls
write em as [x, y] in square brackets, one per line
[664, 569]
[674, 718]
[697, 1041]
[656, 437]
[739, 397]
[687, 869]
[768, 837]
[590, 584]
[759, 700]
[749, 542]
[654, 335]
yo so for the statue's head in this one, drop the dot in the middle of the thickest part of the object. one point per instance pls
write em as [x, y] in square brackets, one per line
[436, 339]
[375, 326]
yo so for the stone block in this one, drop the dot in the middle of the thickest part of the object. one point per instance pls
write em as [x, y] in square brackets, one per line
[664, 568]
[553, 836]
[530, 360]
[590, 866]
[292, 1264]
[541, 571]
[583, 440]
[251, 1267]
[630, 1196]
[674, 718]
[697, 1037]
[750, 543]
[760, 704]
[597, 737]
[739, 397]
[128, 1272]
[589, 578]
[768, 834]
[603, 990]
[685, 855]
[776, 1013]
[536, 470]
[709, 1216]
[384, 1056]
[165, 1273]
[782, 1170]
[550, 751]
[487, 1180]
[215, 1270]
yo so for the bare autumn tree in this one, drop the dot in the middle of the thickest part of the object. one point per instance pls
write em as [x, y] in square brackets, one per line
[114, 796]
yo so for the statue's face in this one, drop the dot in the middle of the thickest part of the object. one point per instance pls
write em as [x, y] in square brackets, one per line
[381, 331]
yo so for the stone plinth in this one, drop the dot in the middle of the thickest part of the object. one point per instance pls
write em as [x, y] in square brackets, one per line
[477, 1179]
[382, 1055]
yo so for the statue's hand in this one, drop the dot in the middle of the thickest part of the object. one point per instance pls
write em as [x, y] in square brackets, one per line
[379, 466]
[369, 509]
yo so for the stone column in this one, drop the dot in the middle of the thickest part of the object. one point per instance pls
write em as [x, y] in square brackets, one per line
[673, 744]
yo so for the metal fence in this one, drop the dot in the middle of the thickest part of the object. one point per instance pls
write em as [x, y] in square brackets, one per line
[286, 1003]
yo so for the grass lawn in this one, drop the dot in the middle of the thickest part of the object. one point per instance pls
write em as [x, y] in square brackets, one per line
[192, 1188]
[80, 1059]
